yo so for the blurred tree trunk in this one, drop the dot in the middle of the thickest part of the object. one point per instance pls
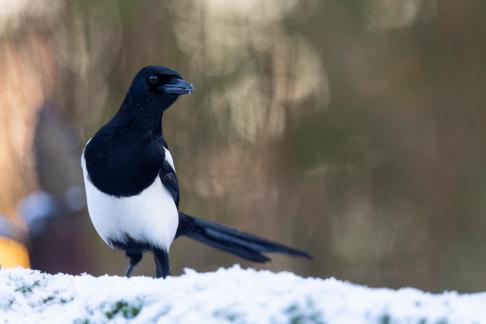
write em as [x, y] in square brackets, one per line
[26, 66]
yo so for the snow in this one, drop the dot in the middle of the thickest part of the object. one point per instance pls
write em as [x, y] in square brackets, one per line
[231, 295]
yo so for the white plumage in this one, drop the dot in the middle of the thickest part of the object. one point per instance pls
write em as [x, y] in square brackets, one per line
[168, 158]
[149, 217]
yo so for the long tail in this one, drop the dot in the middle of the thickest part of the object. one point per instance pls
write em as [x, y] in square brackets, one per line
[247, 246]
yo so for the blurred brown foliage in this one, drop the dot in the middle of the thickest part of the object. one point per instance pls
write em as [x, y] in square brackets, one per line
[353, 129]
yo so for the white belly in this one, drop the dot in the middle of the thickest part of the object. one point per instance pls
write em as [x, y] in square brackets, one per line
[149, 217]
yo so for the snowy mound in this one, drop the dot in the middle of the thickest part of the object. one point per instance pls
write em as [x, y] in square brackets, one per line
[227, 295]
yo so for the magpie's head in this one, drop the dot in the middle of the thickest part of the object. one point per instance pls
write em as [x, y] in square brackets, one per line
[158, 85]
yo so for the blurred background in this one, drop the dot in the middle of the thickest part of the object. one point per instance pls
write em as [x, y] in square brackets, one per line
[351, 129]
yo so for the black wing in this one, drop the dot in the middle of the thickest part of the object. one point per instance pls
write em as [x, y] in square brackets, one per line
[169, 179]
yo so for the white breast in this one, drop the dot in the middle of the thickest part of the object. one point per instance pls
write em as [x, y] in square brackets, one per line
[150, 216]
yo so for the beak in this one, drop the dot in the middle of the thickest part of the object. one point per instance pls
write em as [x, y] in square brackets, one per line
[176, 86]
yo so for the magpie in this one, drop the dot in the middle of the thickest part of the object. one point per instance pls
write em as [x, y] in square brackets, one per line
[132, 188]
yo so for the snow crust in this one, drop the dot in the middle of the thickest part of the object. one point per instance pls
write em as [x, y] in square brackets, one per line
[231, 295]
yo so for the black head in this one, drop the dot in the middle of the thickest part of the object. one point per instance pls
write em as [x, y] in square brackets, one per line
[157, 86]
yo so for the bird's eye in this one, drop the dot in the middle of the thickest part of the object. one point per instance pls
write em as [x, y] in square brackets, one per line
[153, 79]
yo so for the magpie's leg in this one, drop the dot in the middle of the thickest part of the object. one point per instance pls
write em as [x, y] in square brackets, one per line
[134, 258]
[162, 268]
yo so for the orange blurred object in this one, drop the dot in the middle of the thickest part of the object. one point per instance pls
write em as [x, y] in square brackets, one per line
[13, 254]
